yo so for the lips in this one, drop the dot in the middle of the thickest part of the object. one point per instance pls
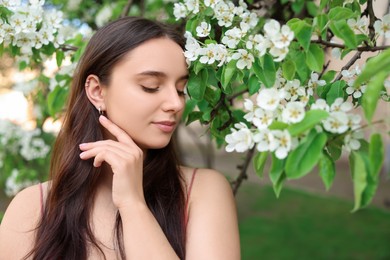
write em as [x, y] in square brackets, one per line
[166, 126]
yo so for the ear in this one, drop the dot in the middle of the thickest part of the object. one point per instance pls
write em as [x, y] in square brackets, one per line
[95, 91]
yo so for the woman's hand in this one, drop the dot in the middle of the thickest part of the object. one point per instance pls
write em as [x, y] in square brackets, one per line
[126, 161]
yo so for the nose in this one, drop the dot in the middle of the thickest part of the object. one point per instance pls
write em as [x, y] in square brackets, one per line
[173, 101]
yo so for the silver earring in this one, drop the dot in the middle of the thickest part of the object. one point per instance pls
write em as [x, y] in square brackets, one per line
[100, 111]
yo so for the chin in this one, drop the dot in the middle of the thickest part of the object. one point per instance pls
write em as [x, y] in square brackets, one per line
[157, 144]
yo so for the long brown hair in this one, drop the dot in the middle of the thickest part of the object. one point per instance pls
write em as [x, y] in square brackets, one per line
[64, 231]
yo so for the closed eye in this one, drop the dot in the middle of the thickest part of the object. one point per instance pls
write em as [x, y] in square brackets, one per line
[149, 90]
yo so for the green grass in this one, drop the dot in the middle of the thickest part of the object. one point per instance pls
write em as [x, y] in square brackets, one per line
[306, 226]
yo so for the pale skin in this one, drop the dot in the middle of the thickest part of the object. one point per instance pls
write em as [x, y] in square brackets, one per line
[144, 103]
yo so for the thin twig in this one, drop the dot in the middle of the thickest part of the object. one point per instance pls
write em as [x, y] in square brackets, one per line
[342, 46]
[127, 8]
[243, 175]
[349, 64]
[66, 47]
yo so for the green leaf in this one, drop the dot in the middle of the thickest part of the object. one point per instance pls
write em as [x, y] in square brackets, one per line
[329, 75]
[312, 118]
[342, 30]
[228, 71]
[371, 96]
[381, 62]
[312, 8]
[336, 90]
[334, 148]
[288, 69]
[359, 177]
[302, 31]
[315, 58]
[189, 107]
[376, 154]
[197, 85]
[56, 100]
[194, 116]
[303, 159]
[327, 170]
[259, 163]
[323, 3]
[269, 71]
[277, 174]
[340, 13]
[374, 160]
[60, 56]
[277, 125]
[322, 24]
[253, 84]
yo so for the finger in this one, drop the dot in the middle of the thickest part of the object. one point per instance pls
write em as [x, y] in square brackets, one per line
[93, 152]
[116, 131]
[106, 143]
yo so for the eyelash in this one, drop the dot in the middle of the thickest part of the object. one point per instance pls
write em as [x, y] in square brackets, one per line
[154, 90]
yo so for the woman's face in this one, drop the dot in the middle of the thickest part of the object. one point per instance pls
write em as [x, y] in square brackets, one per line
[145, 95]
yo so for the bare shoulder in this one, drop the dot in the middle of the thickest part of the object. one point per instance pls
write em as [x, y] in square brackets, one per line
[19, 223]
[212, 229]
[204, 179]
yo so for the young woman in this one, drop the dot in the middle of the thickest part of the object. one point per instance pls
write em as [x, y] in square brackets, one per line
[116, 189]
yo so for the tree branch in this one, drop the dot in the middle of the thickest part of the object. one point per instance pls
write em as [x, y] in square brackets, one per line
[66, 47]
[349, 64]
[243, 175]
[342, 46]
[127, 8]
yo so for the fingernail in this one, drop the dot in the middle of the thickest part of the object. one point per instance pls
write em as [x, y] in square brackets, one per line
[82, 145]
[82, 155]
[103, 117]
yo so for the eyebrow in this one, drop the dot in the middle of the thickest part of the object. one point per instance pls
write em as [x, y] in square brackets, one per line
[159, 74]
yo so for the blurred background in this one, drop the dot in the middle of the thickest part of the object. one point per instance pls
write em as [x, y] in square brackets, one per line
[305, 222]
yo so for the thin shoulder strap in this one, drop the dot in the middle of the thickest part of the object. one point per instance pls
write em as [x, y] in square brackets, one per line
[189, 188]
[41, 196]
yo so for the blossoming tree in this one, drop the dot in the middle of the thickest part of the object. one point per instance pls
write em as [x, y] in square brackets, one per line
[259, 79]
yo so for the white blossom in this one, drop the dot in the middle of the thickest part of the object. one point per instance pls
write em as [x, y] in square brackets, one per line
[245, 59]
[179, 11]
[248, 105]
[320, 104]
[382, 27]
[203, 30]
[211, 3]
[262, 118]
[356, 92]
[351, 140]
[192, 6]
[268, 99]
[232, 37]
[294, 112]
[337, 122]
[264, 140]
[340, 105]
[359, 25]
[240, 139]
[313, 83]
[192, 47]
[282, 140]
[104, 15]
[293, 90]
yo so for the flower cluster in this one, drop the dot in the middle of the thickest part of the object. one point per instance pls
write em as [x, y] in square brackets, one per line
[17, 140]
[349, 76]
[238, 41]
[19, 145]
[30, 26]
[287, 102]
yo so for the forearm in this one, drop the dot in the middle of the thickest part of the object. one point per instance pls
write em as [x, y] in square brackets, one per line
[143, 236]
